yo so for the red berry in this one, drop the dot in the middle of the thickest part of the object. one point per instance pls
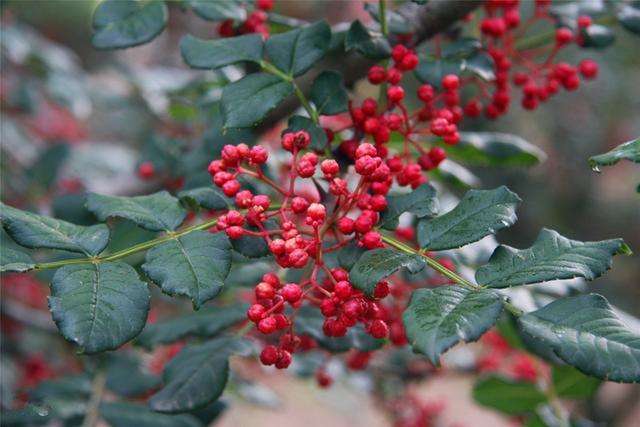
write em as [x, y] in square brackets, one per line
[291, 293]
[376, 75]
[437, 155]
[363, 224]
[395, 94]
[317, 211]
[588, 68]
[342, 289]
[299, 204]
[284, 360]
[264, 4]
[451, 138]
[450, 82]
[409, 62]
[382, 289]
[425, 93]
[258, 155]
[399, 52]
[369, 106]
[394, 76]
[264, 290]
[329, 167]
[146, 170]
[371, 125]
[473, 108]
[269, 355]
[230, 188]
[584, 21]
[323, 379]
[563, 36]
[372, 240]
[345, 225]
[255, 312]
[235, 232]
[277, 246]
[267, 325]
[379, 329]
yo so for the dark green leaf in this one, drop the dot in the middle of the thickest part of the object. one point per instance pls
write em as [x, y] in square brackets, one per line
[432, 71]
[438, 318]
[125, 414]
[155, 212]
[126, 23]
[127, 376]
[328, 93]
[246, 102]
[397, 23]
[99, 306]
[495, 149]
[551, 257]
[317, 135]
[35, 231]
[628, 151]
[12, 261]
[309, 322]
[376, 264]
[462, 48]
[211, 54]
[296, 51]
[371, 45]
[482, 65]
[597, 36]
[219, 10]
[196, 376]
[629, 16]
[194, 265]
[207, 197]
[479, 213]
[570, 383]
[421, 202]
[68, 387]
[508, 396]
[585, 332]
[350, 254]
[204, 323]
[44, 171]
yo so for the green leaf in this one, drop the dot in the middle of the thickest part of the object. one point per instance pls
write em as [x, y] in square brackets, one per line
[627, 151]
[317, 135]
[204, 323]
[421, 202]
[495, 149]
[155, 212]
[570, 383]
[125, 414]
[120, 24]
[309, 322]
[373, 46]
[196, 376]
[482, 65]
[508, 396]
[629, 16]
[597, 36]
[195, 265]
[585, 333]
[376, 264]
[211, 54]
[35, 231]
[462, 48]
[99, 306]
[432, 71]
[328, 93]
[438, 318]
[207, 197]
[552, 257]
[246, 102]
[127, 376]
[12, 261]
[479, 213]
[46, 167]
[296, 51]
[350, 254]
[219, 10]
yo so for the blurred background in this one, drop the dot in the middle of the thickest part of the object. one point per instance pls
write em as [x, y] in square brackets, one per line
[76, 118]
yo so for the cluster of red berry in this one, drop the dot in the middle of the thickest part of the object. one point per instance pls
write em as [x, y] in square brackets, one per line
[256, 22]
[500, 356]
[534, 71]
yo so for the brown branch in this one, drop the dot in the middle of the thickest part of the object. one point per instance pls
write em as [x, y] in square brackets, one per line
[425, 22]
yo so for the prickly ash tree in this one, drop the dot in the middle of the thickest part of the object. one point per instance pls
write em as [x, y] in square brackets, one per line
[343, 208]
